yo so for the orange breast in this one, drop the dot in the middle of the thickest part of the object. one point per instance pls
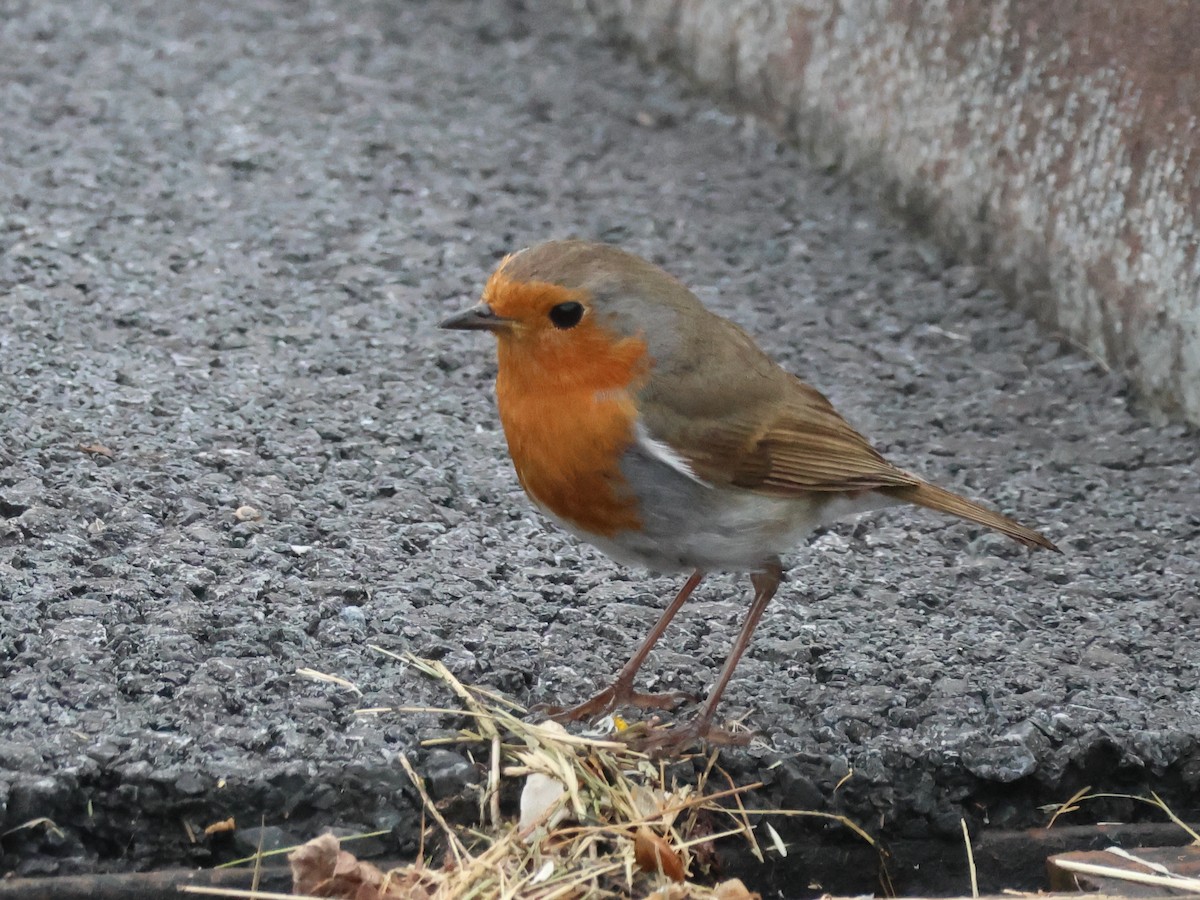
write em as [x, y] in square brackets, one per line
[566, 435]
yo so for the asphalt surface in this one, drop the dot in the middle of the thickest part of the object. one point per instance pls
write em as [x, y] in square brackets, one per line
[227, 232]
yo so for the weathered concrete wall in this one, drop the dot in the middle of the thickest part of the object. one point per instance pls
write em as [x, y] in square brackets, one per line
[1054, 142]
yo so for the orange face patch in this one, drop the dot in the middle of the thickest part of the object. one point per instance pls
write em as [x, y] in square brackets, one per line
[565, 397]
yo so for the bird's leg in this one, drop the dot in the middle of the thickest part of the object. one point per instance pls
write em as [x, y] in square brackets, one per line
[621, 692]
[766, 583]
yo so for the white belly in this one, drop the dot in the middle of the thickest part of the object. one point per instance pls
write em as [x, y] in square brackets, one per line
[687, 524]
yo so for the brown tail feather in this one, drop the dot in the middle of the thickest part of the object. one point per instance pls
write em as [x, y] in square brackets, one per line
[932, 497]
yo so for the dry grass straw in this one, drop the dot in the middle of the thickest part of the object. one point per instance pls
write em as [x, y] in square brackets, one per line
[1084, 795]
[621, 826]
[970, 858]
[617, 803]
[1158, 876]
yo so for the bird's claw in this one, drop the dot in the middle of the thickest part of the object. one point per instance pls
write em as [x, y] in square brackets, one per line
[657, 742]
[611, 698]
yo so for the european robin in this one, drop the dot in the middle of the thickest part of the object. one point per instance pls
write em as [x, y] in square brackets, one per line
[658, 431]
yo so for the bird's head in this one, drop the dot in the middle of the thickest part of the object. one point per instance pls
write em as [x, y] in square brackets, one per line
[574, 312]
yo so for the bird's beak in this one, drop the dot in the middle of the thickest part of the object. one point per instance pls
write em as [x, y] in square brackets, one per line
[477, 318]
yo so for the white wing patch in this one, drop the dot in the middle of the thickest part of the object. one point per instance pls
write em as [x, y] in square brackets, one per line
[664, 454]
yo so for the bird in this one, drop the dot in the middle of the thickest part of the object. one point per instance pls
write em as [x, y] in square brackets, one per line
[658, 431]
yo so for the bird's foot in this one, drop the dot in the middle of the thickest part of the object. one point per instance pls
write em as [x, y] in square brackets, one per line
[657, 741]
[613, 697]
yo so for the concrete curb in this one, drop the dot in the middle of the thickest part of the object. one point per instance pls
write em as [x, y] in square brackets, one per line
[1054, 144]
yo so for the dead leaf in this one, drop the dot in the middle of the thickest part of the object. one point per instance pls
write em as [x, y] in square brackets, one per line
[313, 863]
[733, 889]
[653, 854]
[538, 796]
[671, 892]
[221, 827]
[320, 868]
[647, 804]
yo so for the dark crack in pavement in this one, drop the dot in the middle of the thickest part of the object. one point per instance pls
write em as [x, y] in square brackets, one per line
[227, 233]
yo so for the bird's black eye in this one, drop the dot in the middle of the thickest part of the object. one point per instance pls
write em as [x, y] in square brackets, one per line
[566, 315]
